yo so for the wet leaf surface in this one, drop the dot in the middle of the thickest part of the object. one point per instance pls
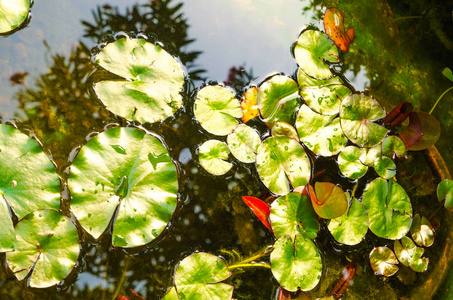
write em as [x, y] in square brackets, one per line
[12, 14]
[383, 261]
[350, 164]
[328, 200]
[285, 129]
[334, 27]
[260, 209]
[212, 155]
[243, 143]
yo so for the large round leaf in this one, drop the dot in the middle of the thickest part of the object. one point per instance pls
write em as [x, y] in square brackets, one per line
[389, 208]
[154, 80]
[48, 242]
[350, 164]
[281, 161]
[7, 235]
[278, 100]
[319, 133]
[293, 214]
[198, 277]
[328, 200]
[357, 113]
[216, 108]
[383, 261]
[129, 168]
[12, 13]
[212, 155]
[323, 96]
[28, 179]
[243, 143]
[296, 263]
[312, 51]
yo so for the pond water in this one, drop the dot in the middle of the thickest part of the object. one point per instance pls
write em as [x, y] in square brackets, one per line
[394, 57]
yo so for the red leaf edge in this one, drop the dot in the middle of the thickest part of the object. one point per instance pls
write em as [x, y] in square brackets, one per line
[260, 209]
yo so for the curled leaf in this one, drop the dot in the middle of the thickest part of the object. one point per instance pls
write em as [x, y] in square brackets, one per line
[430, 130]
[328, 199]
[413, 133]
[334, 27]
[259, 208]
[399, 114]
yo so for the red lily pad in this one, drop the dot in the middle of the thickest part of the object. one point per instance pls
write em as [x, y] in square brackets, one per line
[422, 132]
[334, 27]
[399, 114]
[260, 209]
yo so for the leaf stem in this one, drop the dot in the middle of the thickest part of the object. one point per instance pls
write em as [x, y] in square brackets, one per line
[235, 266]
[122, 279]
[435, 104]
[246, 262]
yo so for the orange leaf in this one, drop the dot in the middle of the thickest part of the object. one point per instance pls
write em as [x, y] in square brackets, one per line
[334, 27]
[260, 209]
[343, 283]
[249, 104]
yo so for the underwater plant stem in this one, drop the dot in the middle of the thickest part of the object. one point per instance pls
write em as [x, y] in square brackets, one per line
[245, 262]
[122, 279]
[402, 18]
[354, 189]
[235, 266]
[437, 210]
[435, 104]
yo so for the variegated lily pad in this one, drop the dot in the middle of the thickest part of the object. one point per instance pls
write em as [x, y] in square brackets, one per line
[393, 145]
[243, 143]
[212, 156]
[350, 164]
[410, 255]
[12, 14]
[385, 167]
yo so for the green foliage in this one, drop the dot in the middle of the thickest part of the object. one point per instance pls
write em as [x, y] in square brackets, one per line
[410, 255]
[422, 231]
[445, 192]
[328, 200]
[243, 143]
[383, 261]
[350, 164]
[212, 155]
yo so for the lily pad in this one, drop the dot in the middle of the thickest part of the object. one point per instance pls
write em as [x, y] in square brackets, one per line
[128, 169]
[323, 96]
[385, 167]
[198, 276]
[7, 235]
[296, 263]
[313, 51]
[445, 191]
[249, 104]
[284, 129]
[383, 261]
[171, 295]
[350, 164]
[212, 155]
[351, 227]
[393, 145]
[243, 143]
[281, 161]
[152, 85]
[328, 200]
[293, 214]
[216, 108]
[278, 100]
[12, 14]
[389, 208]
[357, 114]
[28, 180]
[422, 231]
[371, 155]
[431, 131]
[410, 255]
[319, 133]
[48, 242]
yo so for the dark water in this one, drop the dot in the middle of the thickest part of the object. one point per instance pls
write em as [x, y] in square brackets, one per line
[395, 60]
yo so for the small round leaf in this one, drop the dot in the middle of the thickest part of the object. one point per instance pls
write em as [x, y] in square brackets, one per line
[212, 155]
[371, 155]
[284, 129]
[328, 200]
[350, 164]
[383, 261]
[422, 231]
[393, 145]
[243, 143]
[385, 167]
[12, 14]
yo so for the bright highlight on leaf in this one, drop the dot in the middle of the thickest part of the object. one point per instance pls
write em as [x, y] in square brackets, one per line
[212, 155]
[385, 167]
[334, 27]
[383, 261]
[422, 232]
[12, 14]
[249, 104]
[284, 129]
[259, 208]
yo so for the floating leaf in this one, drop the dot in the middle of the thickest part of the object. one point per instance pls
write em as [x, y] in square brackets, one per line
[212, 155]
[334, 27]
[7, 235]
[431, 131]
[281, 161]
[328, 200]
[410, 255]
[284, 129]
[445, 191]
[399, 114]
[48, 242]
[313, 49]
[422, 232]
[448, 74]
[389, 208]
[319, 133]
[259, 208]
[323, 96]
[243, 143]
[12, 14]
[278, 100]
[350, 164]
[249, 104]
[142, 183]
[171, 295]
[385, 167]
[216, 108]
[296, 263]
[293, 214]
[152, 85]
[413, 132]
[383, 261]
[393, 145]
[351, 227]
[28, 180]
[357, 113]
[371, 155]
[198, 277]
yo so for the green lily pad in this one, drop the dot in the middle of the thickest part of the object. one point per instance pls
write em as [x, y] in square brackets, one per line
[293, 214]
[198, 276]
[351, 227]
[319, 133]
[48, 242]
[243, 143]
[389, 208]
[393, 145]
[296, 263]
[445, 191]
[278, 100]
[212, 155]
[284, 129]
[350, 164]
[385, 167]
[357, 113]
[281, 161]
[406, 251]
[448, 74]
[323, 96]
[12, 14]
[28, 180]
[328, 200]
[312, 51]
[128, 168]
[216, 108]
[422, 231]
[371, 155]
[7, 234]
[383, 261]
[171, 295]
[152, 85]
